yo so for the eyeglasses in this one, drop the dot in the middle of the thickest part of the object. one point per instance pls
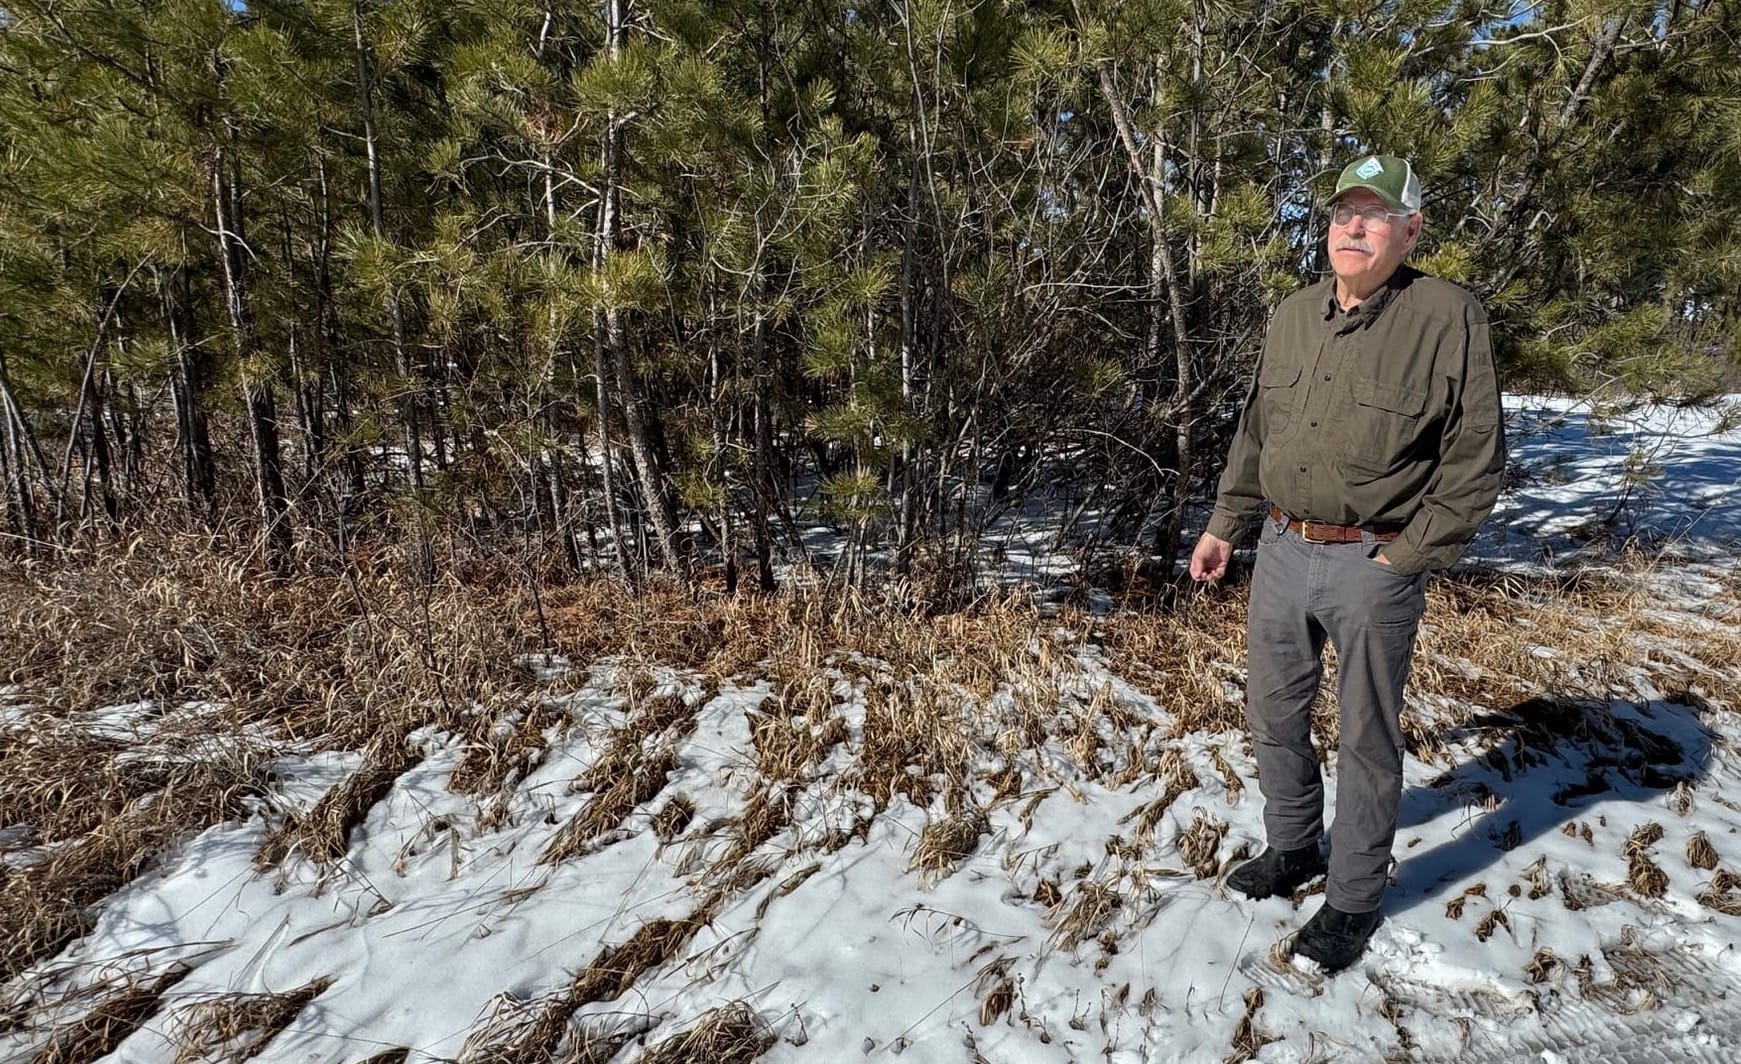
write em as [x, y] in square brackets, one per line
[1343, 213]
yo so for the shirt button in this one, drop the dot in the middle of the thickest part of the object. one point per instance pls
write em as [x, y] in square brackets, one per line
[1302, 469]
[1326, 376]
[1314, 424]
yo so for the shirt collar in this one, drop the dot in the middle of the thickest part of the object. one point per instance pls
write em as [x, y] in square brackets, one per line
[1370, 307]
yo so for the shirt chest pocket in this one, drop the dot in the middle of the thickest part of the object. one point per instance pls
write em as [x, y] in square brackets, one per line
[1385, 423]
[1278, 393]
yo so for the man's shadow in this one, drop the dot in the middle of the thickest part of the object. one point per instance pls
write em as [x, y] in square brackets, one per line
[1547, 761]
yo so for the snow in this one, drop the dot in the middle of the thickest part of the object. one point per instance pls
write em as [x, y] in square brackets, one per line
[440, 921]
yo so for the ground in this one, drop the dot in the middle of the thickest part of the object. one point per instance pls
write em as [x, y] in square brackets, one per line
[822, 833]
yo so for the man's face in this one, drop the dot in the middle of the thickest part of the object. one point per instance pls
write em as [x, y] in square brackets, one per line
[1362, 253]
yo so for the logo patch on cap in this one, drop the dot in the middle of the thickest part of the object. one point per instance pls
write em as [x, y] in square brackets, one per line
[1370, 169]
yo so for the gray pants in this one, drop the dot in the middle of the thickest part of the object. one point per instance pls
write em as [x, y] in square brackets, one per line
[1301, 594]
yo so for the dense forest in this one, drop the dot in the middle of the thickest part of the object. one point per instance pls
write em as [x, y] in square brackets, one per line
[604, 283]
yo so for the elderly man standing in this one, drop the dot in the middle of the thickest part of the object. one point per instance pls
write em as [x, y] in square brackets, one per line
[1371, 442]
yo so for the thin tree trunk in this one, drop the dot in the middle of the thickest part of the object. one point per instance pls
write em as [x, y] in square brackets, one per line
[1151, 179]
[187, 388]
[256, 393]
[660, 510]
[21, 449]
[408, 407]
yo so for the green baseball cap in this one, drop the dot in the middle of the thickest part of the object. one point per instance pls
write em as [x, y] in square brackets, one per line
[1391, 178]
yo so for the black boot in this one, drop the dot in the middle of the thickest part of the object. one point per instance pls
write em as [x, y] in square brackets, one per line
[1336, 939]
[1276, 871]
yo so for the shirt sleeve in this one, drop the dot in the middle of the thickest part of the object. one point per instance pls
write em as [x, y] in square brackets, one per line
[1466, 483]
[1239, 497]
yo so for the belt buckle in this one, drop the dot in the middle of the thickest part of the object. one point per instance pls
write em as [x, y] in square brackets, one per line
[1306, 532]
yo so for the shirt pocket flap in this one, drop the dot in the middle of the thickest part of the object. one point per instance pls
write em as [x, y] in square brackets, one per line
[1391, 397]
[1279, 374]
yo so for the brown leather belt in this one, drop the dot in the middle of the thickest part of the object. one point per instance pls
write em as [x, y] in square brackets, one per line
[1319, 532]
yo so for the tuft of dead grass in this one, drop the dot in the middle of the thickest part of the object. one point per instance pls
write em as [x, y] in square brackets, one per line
[1493, 921]
[1200, 843]
[47, 905]
[1723, 894]
[1175, 776]
[114, 1018]
[323, 835]
[498, 758]
[1185, 658]
[1700, 853]
[1643, 874]
[632, 770]
[1542, 965]
[946, 841]
[641, 782]
[996, 990]
[790, 745]
[673, 818]
[235, 1028]
[532, 1034]
[1088, 913]
[1248, 1038]
[730, 1034]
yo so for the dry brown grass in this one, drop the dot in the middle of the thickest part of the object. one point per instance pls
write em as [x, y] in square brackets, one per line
[1176, 776]
[1200, 842]
[615, 969]
[640, 782]
[632, 769]
[110, 1021]
[323, 834]
[1700, 853]
[1493, 921]
[1542, 965]
[1643, 874]
[673, 818]
[995, 989]
[1723, 894]
[789, 744]
[236, 1027]
[769, 812]
[1248, 1038]
[946, 841]
[339, 660]
[500, 757]
[46, 906]
[335, 660]
[336, 656]
[1184, 658]
[1477, 645]
[1088, 913]
[531, 1034]
[730, 1034]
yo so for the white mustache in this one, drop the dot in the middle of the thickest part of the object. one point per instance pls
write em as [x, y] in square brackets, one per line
[1354, 245]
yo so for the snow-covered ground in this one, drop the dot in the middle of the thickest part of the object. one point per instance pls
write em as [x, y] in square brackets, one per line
[1514, 929]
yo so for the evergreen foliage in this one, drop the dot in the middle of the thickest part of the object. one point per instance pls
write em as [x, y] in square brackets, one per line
[613, 278]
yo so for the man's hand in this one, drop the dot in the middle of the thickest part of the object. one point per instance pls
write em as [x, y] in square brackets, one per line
[1380, 558]
[1209, 558]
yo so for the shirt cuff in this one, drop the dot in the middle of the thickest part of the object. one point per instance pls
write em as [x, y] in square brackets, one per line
[1223, 525]
[1404, 558]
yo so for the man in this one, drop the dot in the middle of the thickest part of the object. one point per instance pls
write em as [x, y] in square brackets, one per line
[1371, 442]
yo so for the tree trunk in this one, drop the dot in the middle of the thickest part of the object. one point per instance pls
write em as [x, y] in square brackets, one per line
[408, 406]
[661, 511]
[21, 449]
[187, 390]
[257, 395]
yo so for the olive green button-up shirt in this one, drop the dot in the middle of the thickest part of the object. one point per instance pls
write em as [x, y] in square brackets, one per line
[1386, 414]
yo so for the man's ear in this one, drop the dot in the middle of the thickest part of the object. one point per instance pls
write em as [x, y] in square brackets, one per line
[1416, 224]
